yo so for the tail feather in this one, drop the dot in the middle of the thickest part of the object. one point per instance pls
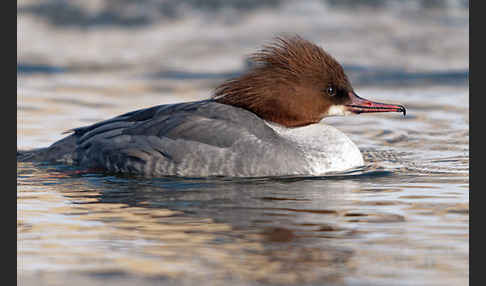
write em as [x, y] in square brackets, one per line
[28, 155]
[61, 151]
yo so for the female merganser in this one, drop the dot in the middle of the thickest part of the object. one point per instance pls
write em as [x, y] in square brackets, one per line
[267, 122]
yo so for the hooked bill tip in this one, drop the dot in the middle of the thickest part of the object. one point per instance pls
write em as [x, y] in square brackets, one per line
[403, 110]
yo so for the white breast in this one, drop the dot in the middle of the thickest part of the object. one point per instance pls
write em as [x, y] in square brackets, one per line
[326, 148]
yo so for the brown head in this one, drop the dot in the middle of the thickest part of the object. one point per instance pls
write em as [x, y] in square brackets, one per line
[295, 83]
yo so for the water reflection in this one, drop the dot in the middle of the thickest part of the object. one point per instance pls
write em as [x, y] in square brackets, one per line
[267, 231]
[187, 224]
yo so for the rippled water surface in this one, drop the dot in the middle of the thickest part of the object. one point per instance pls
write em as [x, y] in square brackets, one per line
[403, 219]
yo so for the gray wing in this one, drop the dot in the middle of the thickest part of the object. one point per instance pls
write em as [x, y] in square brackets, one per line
[202, 138]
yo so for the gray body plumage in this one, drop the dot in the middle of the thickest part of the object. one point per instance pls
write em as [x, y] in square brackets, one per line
[196, 139]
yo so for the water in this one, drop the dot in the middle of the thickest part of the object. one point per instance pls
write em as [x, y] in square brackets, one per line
[403, 219]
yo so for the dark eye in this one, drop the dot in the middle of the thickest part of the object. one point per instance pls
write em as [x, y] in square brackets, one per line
[331, 91]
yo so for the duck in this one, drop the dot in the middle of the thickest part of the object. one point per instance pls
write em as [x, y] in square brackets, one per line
[268, 121]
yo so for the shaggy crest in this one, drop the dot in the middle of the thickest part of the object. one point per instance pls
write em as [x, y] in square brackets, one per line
[287, 72]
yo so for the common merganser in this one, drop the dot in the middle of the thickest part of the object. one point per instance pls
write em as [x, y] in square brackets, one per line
[266, 122]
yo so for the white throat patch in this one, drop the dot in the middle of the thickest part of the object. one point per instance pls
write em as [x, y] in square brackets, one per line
[337, 110]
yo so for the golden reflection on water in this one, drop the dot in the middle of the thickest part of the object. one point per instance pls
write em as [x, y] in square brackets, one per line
[64, 227]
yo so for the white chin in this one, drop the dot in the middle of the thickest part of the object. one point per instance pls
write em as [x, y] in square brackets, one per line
[338, 110]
